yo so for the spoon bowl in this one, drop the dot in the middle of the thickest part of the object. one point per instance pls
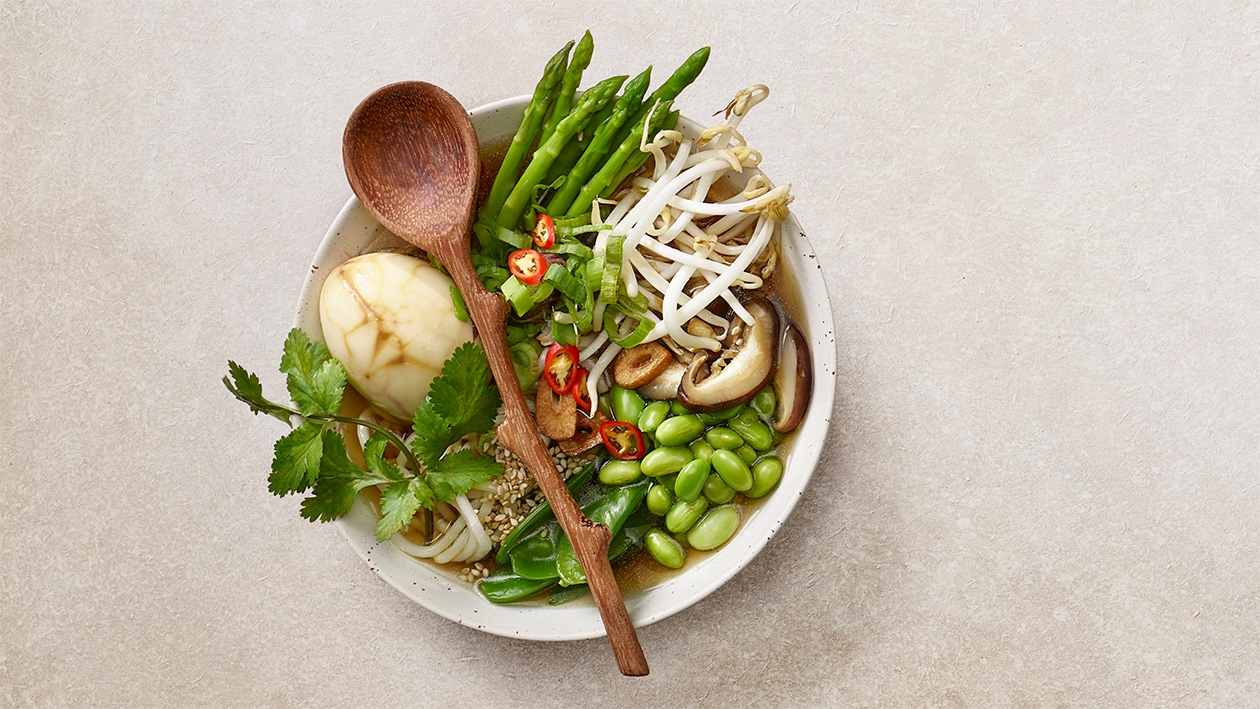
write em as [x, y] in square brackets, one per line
[410, 153]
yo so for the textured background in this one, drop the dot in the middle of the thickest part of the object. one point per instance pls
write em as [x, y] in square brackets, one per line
[1041, 230]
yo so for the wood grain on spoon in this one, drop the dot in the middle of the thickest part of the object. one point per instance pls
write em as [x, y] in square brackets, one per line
[411, 156]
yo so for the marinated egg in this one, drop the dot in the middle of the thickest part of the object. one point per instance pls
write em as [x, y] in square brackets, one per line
[388, 318]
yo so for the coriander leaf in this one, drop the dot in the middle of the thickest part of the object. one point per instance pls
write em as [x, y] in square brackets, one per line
[246, 387]
[339, 481]
[373, 456]
[331, 498]
[399, 502]
[460, 470]
[316, 381]
[464, 395]
[432, 435]
[297, 459]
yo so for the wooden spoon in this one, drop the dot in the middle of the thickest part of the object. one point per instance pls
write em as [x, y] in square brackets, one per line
[411, 157]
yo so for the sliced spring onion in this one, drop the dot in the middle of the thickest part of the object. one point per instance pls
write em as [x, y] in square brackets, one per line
[611, 277]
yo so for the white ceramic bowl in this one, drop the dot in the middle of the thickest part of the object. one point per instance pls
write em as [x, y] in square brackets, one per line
[355, 231]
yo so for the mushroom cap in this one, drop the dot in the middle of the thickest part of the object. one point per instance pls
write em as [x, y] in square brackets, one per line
[746, 373]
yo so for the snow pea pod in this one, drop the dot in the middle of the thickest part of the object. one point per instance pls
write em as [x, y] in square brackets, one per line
[540, 514]
[611, 509]
[503, 586]
[535, 556]
[630, 536]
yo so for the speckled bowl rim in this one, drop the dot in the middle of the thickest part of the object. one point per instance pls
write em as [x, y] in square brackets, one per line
[355, 231]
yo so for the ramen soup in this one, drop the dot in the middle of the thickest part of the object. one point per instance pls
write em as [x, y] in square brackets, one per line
[652, 328]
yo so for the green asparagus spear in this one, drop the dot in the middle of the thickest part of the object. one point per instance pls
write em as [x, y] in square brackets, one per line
[627, 142]
[591, 101]
[601, 144]
[531, 122]
[574, 148]
[636, 160]
[603, 179]
[568, 85]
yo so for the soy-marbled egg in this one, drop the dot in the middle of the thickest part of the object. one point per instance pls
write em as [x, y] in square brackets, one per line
[388, 318]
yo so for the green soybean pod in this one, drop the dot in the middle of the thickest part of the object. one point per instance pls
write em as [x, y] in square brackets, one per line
[659, 500]
[701, 450]
[665, 549]
[679, 430]
[755, 433]
[620, 472]
[627, 405]
[652, 416]
[714, 529]
[723, 437]
[684, 514]
[717, 491]
[732, 468]
[664, 461]
[766, 473]
[763, 403]
[690, 482]
[747, 453]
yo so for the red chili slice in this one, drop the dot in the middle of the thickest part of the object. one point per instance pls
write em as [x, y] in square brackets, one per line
[544, 231]
[560, 368]
[528, 266]
[580, 395]
[622, 439]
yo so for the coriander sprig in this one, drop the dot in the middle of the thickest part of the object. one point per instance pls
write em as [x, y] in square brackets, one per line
[312, 457]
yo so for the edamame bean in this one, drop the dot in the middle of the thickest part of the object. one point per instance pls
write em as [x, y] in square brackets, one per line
[701, 450]
[665, 549]
[620, 472]
[717, 491]
[676, 408]
[763, 403]
[747, 454]
[766, 474]
[714, 529]
[664, 461]
[732, 468]
[723, 437]
[690, 482]
[728, 414]
[652, 416]
[627, 405]
[679, 430]
[754, 432]
[684, 514]
[659, 500]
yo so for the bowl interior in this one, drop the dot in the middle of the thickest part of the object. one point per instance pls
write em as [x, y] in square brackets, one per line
[355, 231]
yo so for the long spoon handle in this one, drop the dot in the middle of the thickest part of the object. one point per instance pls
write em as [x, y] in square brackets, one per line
[519, 434]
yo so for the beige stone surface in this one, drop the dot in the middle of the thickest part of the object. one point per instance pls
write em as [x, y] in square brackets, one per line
[1041, 229]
